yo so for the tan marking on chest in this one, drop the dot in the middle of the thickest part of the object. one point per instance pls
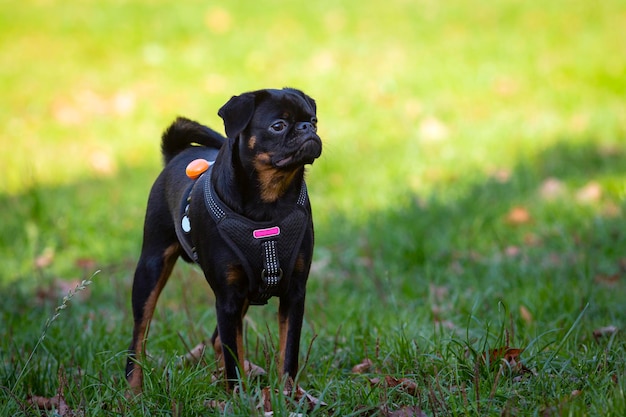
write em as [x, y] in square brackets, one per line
[272, 182]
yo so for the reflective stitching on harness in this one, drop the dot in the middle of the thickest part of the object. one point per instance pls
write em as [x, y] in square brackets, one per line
[218, 213]
[272, 265]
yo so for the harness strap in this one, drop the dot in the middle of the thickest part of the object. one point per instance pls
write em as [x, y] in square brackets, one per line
[261, 247]
[183, 227]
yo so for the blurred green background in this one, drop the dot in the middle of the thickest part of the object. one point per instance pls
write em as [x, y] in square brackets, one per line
[474, 156]
[414, 98]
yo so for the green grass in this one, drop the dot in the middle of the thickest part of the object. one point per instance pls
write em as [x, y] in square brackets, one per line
[439, 119]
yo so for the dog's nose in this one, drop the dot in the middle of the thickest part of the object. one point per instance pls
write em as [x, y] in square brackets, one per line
[305, 127]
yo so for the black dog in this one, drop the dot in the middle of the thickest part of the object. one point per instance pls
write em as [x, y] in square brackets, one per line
[246, 221]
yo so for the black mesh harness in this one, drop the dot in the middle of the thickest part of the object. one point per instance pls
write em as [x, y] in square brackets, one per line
[266, 250]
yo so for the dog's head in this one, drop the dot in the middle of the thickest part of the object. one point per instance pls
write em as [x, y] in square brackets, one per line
[275, 129]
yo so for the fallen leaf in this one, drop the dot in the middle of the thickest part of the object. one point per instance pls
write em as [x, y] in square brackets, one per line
[501, 175]
[526, 315]
[551, 189]
[518, 215]
[508, 355]
[266, 400]
[310, 400]
[52, 403]
[512, 251]
[404, 384]
[45, 259]
[60, 288]
[195, 354]
[608, 280]
[364, 366]
[219, 405]
[590, 193]
[406, 411]
[85, 263]
[374, 381]
[298, 395]
[253, 370]
[604, 331]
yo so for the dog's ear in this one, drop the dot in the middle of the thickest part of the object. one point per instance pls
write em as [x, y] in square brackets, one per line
[237, 113]
[306, 98]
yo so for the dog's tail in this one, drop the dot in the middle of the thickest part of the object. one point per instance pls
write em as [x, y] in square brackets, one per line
[184, 133]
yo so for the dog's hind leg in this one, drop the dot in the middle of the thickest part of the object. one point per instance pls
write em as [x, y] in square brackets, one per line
[153, 270]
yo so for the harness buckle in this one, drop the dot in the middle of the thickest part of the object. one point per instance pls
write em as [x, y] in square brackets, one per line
[271, 280]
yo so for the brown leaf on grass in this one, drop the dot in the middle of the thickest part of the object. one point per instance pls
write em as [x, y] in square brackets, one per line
[512, 251]
[609, 280]
[218, 405]
[604, 331]
[45, 259]
[518, 215]
[299, 395]
[52, 403]
[266, 400]
[252, 369]
[86, 263]
[363, 367]
[590, 193]
[60, 288]
[310, 400]
[551, 189]
[195, 354]
[508, 355]
[526, 314]
[406, 411]
[405, 384]
[511, 355]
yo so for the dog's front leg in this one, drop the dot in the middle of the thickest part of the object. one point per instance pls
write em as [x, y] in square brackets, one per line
[230, 312]
[290, 316]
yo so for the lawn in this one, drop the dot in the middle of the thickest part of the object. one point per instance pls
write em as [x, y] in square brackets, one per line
[469, 203]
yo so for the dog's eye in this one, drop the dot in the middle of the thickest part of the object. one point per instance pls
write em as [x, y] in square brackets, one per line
[278, 126]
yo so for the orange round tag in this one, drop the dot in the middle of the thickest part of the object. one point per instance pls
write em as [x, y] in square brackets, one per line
[196, 168]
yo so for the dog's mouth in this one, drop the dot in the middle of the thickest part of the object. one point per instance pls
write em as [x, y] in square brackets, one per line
[305, 154]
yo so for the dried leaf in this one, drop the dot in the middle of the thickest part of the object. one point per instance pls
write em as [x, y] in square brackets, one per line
[526, 315]
[85, 263]
[512, 251]
[218, 405]
[551, 189]
[253, 370]
[404, 384]
[518, 215]
[195, 354]
[45, 259]
[52, 403]
[511, 355]
[604, 331]
[407, 411]
[364, 366]
[508, 355]
[590, 193]
[266, 400]
[608, 280]
[374, 381]
[311, 401]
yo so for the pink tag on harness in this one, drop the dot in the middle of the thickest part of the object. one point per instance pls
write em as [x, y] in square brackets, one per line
[269, 232]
